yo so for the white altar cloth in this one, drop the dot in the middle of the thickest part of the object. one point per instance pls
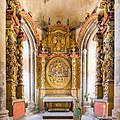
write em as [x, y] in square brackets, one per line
[58, 99]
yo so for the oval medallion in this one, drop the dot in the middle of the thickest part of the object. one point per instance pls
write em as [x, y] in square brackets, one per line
[58, 72]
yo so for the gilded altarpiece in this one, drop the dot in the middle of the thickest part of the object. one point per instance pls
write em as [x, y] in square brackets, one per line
[14, 58]
[58, 76]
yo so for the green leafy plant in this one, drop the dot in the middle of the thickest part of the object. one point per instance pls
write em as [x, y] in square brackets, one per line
[86, 96]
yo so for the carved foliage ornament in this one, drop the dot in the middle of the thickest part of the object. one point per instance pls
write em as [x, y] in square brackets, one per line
[58, 72]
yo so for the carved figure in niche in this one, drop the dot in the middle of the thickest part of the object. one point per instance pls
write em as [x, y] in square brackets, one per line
[58, 43]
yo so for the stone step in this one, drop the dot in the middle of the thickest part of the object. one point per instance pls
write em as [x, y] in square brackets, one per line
[58, 115]
[84, 117]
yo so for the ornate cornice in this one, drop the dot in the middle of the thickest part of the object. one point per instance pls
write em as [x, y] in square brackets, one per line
[46, 56]
[58, 26]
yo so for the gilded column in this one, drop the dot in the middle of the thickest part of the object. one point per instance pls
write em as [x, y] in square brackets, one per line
[74, 90]
[42, 82]
[3, 111]
[67, 40]
[11, 62]
[116, 110]
[20, 86]
[109, 58]
[98, 84]
[43, 78]
[73, 77]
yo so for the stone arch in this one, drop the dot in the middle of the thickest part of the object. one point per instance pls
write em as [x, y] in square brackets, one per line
[87, 33]
[32, 45]
[32, 26]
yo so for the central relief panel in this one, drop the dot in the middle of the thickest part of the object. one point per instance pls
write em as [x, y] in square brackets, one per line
[58, 73]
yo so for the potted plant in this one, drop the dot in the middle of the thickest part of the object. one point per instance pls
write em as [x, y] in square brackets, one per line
[86, 96]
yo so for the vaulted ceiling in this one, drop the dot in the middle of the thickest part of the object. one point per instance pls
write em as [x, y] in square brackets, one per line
[74, 10]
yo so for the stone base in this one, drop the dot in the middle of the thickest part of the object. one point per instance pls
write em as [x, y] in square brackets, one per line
[29, 112]
[4, 115]
[116, 114]
[87, 110]
[31, 106]
[31, 109]
[41, 104]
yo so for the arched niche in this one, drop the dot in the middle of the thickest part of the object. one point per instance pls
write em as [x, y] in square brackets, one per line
[87, 51]
[29, 58]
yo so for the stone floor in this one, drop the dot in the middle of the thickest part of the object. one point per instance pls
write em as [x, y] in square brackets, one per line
[39, 116]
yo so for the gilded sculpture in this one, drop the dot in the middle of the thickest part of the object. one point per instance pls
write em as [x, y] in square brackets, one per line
[58, 42]
[58, 72]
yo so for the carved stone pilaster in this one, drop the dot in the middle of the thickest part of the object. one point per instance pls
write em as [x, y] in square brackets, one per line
[20, 86]
[99, 77]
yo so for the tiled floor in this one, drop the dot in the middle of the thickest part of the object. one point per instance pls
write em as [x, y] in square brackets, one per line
[39, 116]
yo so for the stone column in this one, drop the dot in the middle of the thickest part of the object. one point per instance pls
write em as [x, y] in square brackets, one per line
[30, 63]
[33, 60]
[84, 71]
[31, 105]
[33, 75]
[98, 84]
[3, 111]
[116, 110]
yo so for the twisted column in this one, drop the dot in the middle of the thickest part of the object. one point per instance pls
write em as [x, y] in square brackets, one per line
[20, 86]
[98, 84]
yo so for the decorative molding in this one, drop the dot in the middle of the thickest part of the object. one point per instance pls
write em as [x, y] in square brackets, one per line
[85, 27]
[32, 25]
